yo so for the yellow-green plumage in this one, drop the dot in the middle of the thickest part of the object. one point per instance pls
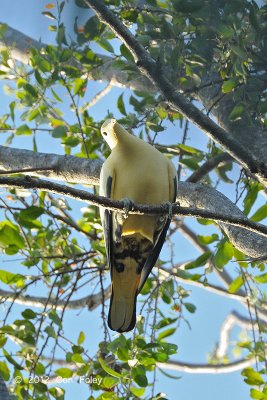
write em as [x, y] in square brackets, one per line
[137, 171]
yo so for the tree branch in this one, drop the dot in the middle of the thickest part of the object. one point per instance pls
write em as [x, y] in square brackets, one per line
[183, 366]
[92, 301]
[66, 168]
[230, 321]
[208, 166]
[176, 101]
[191, 368]
[239, 220]
[4, 395]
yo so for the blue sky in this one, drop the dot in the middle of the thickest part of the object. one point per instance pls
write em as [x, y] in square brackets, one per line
[194, 344]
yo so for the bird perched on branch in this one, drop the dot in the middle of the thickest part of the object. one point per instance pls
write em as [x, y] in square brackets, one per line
[134, 172]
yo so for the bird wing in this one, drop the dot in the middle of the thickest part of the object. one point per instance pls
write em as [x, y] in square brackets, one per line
[160, 236]
[107, 180]
[122, 265]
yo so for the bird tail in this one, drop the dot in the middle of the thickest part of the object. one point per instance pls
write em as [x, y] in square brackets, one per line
[125, 282]
[122, 312]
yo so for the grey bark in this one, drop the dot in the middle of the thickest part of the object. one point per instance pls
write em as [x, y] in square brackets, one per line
[248, 132]
[246, 129]
[4, 394]
[79, 170]
[65, 168]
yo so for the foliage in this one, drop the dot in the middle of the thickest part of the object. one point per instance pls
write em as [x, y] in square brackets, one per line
[61, 251]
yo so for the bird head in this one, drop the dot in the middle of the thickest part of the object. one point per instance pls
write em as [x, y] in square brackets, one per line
[108, 131]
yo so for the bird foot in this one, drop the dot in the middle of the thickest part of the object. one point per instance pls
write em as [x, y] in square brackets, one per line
[168, 206]
[127, 206]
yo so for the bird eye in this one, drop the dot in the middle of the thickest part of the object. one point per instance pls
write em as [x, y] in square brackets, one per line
[104, 133]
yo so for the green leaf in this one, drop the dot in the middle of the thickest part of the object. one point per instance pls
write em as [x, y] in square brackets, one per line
[31, 213]
[230, 84]
[59, 131]
[48, 14]
[224, 254]
[138, 392]
[39, 369]
[256, 394]
[237, 112]
[55, 318]
[154, 127]
[139, 376]
[108, 370]
[207, 239]
[109, 381]
[4, 371]
[64, 372]
[31, 90]
[23, 130]
[92, 27]
[11, 360]
[190, 307]
[105, 44]
[251, 197]
[71, 141]
[188, 149]
[161, 357]
[28, 313]
[81, 338]
[57, 392]
[235, 285]
[200, 261]
[260, 214]
[261, 278]
[61, 36]
[120, 105]
[77, 358]
[79, 86]
[253, 377]
[126, 53]
[169, 348]
[56, 96]
[9, 278]
[50, 331]
[166, 333]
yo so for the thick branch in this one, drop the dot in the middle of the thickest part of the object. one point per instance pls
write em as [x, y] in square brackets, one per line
[176, 101]
[20, 44]
[207, 368]
[4, 395]
[181, 366]
[77, 170]
[251, 134]
[239, 220]
[65, 168]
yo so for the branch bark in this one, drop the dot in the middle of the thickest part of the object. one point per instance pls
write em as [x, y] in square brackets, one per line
[92, 301]
[252, 136]
[153, 70]
[66, 168]
[4, 394]
[79, 170]
[199, 210]
[191, 368]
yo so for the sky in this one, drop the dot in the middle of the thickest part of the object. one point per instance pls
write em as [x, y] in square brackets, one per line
[194, 344]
